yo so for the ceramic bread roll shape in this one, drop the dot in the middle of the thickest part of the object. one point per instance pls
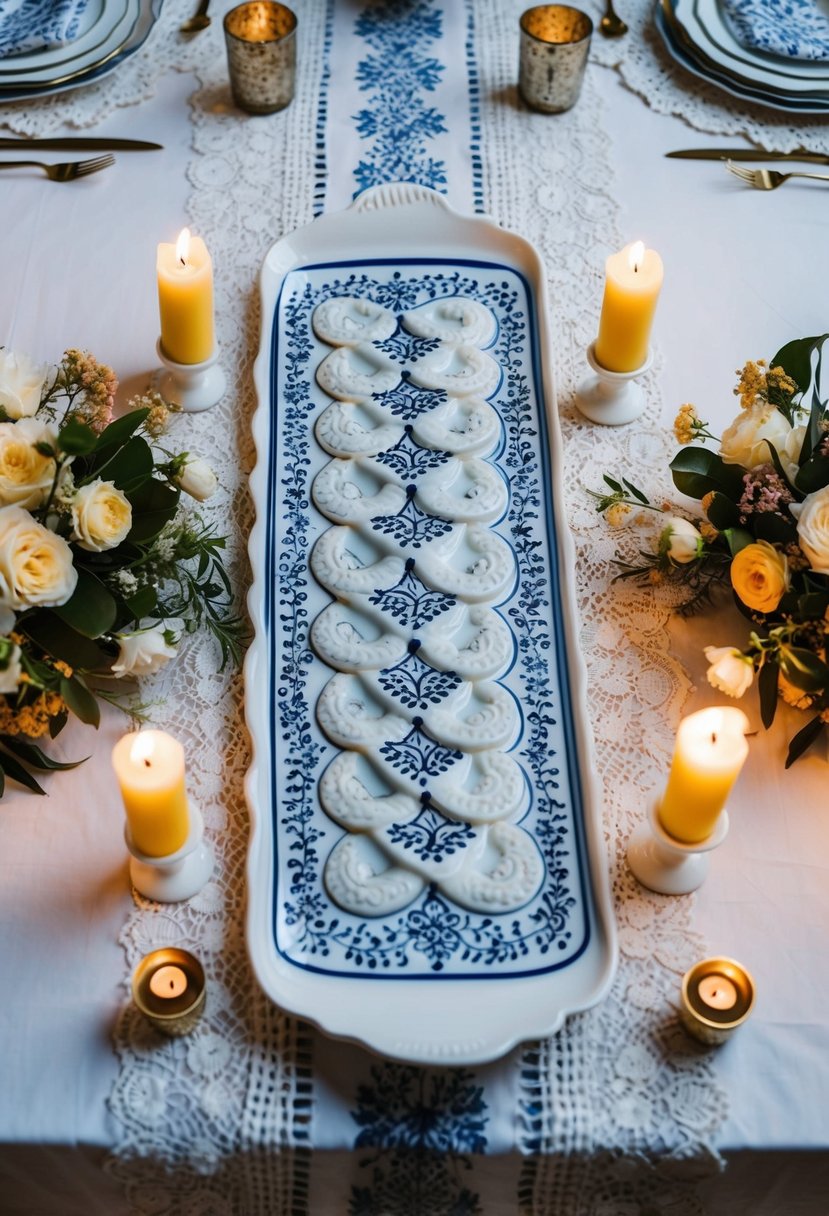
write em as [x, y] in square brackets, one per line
[423, 784]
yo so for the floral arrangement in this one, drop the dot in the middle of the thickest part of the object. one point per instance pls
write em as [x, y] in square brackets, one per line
[102, 568]
[763, 531]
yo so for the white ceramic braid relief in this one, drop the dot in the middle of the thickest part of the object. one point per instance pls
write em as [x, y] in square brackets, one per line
[423, 725]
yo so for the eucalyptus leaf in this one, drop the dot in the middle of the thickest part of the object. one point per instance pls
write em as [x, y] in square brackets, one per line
[804, 739]
[154, 504]
[614, 485]
[767, 687]
[92, 608]
[697, 472]
[80, 700]
[36, 758]
[813, 474]
[119, 431]
[14, 769]
[803, 668]
[142, 603]
[128, 466]
[76, 438]
[737, 539]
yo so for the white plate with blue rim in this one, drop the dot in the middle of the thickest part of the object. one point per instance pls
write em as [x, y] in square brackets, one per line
[426, 866]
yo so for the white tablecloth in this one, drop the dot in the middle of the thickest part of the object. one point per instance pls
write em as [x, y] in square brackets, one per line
[744, 273]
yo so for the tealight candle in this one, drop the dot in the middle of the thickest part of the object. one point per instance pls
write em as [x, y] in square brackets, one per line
[717, 997]
[185, 299]
[149, 765]
[711, 749]
[168, 987]
[633, 280]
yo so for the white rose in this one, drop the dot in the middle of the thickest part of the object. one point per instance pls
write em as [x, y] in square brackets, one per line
[197, 479]
[10, 673]
[680, 540]
[35, 564]
[744, 442]
[101, 516]
[26, 475]
[812, 517]
[790, 452]
[146, 650]
[21, 384]
[730, 671]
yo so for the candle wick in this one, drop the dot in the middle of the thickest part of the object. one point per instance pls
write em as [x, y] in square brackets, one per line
[182, 261]
[635, 268]
[147, 763]
[713, 736]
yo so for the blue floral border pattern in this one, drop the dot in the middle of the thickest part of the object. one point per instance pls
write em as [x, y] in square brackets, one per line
[433, 927]
[420, 1129]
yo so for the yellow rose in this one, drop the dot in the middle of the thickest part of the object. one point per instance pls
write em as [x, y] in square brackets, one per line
[35, 564]
[760, 575]
[26, 475]
[101, 516]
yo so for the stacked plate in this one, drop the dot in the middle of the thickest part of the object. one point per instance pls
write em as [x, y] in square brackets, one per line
[107, 32]
[732, 54]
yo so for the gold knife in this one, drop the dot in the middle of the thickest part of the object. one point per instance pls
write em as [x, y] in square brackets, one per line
[813, 158]
[79, 144]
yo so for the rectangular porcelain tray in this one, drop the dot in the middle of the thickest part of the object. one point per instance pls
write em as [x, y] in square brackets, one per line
[437, 979]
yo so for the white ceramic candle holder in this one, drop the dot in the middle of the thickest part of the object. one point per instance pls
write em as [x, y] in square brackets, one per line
[193, 387]
[611, 398]
[670, 866]
[179, 875]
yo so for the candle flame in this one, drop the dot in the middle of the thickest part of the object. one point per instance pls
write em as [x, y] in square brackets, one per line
[142, 748]
[183, 246]
[636, 255]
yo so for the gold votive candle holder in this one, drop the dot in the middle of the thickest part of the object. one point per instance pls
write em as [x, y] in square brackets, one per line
[168, 988]
[717, 997]
[260, 37]
[554, 41]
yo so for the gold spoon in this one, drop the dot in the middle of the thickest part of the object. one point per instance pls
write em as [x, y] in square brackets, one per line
[611, 25]
[199, 20]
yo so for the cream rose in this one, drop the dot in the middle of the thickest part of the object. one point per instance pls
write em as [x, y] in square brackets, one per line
[146, 650]
[10, 669]
[21, 384]
[26, 475]
[101, 516]
[197, 479]
[744, 442]
[760, 575]
[812, 517]
[680, 540]
[790, 452]
[35, 564]
[730, 671]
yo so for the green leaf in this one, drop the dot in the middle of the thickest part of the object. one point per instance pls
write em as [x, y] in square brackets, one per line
[773, 528]
[76, 438]
[57, 723]
[80, 700]
[14, 769]
[614, 485]
[722, 512]
[36, 758]
[737, 539]
[129, 466]
[813, 474]
[154, 504]
[142, 603]
[803, 668]
[636, 493]
[767, 686]
[92, 608]
[119, 431]
[698, 472]
[812, 606]
[60, 640]
[804, 739]
[796, 359]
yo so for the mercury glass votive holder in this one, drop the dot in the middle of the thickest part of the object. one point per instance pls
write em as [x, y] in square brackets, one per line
[175, 1011]
[555, 39]
[717, 997]
[261, 55]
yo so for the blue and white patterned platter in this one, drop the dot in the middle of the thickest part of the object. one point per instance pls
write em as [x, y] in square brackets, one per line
[426, 866]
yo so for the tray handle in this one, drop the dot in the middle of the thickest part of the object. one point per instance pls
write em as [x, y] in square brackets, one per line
[398, 194]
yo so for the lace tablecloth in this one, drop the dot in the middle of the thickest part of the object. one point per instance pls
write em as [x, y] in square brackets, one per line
[620, 1108]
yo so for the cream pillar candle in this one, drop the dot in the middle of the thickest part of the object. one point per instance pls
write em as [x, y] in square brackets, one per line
[149, 765]
[185, 299]
[632, 285]
[710, 751]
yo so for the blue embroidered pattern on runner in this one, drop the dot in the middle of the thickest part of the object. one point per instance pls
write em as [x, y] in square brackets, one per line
[398, 76]
[418, 1131]
[433, 936]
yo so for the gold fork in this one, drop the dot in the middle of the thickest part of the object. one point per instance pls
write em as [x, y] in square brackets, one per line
[64, 171]
[769, 179]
